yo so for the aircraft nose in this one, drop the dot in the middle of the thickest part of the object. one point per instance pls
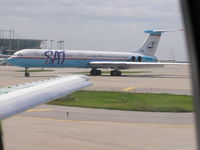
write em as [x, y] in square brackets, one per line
[9, 60]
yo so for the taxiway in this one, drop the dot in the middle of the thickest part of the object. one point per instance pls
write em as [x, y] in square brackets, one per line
[57, 127]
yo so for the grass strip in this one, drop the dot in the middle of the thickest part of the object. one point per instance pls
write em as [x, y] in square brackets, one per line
[128, 101]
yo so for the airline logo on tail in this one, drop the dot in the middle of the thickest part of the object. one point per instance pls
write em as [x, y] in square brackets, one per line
[151, 44]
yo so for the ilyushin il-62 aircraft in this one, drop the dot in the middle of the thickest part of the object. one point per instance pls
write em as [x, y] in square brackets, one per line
[140, 58]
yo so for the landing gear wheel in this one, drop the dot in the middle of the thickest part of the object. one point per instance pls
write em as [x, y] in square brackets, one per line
[27, 74]
[119, 73]
[98, 72]
[95, 72]
[115, 73]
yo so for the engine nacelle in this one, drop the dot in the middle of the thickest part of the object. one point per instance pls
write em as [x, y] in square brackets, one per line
[139, 59]
[133, 58]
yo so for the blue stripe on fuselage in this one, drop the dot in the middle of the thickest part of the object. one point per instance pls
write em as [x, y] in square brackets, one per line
[30, 62]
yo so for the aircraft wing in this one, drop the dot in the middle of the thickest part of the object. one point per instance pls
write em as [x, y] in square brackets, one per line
[129, 65]
[19, 98]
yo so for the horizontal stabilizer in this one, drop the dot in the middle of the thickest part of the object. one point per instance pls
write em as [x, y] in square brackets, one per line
[159, 32]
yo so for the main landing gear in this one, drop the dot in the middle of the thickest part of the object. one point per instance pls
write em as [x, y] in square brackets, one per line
[95, 72]
[115, 73]
[26, 74]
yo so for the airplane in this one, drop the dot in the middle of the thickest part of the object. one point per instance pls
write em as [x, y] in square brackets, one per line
[142, 57]
[16, 99]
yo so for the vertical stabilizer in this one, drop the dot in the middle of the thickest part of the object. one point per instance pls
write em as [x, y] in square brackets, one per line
[150, 45]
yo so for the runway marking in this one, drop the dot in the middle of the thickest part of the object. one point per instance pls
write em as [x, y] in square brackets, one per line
[32, 110]
[109, 122]
[128, 89]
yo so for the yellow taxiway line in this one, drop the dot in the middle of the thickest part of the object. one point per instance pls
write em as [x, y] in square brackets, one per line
[128, 89]
[32, 110]
[107, 122]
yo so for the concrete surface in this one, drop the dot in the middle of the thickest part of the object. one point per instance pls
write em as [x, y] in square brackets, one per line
[48, 127]
[170, 79]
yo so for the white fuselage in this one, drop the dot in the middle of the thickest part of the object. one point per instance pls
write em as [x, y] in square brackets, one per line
[71, 58]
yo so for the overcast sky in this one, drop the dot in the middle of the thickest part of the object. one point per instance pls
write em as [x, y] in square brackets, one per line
[97, 24]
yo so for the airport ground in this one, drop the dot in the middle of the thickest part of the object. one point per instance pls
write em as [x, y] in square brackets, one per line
[49, 127]
[169, 79]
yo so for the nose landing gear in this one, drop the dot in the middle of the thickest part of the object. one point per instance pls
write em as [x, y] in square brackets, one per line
[26, 74]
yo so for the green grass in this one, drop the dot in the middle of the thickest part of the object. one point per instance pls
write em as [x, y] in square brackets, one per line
[128, 101]
[36, 70]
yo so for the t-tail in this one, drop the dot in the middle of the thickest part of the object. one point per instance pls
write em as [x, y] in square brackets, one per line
[150, 45]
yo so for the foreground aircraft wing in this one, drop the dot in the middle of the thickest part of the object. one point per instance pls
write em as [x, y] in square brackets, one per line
[16, 99]
[129, 65]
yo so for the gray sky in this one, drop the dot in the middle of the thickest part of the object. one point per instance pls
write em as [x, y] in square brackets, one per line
[97, 24]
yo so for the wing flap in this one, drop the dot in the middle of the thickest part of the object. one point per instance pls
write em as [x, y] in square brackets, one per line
[20, 100]
[129, 65]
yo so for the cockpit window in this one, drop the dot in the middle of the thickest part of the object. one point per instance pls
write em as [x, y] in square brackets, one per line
[18, 54]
